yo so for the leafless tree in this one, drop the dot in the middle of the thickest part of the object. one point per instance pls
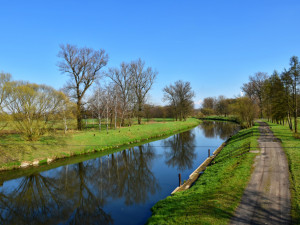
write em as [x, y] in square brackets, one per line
[97, 103]
[180, 96]
[83, 66]
[143, 79]
[208, 105]
[254, 89]
[123, 81]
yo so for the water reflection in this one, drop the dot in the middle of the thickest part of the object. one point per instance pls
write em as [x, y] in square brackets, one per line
[75, 194]
[82, 193]
[214, 129]
[180, 150]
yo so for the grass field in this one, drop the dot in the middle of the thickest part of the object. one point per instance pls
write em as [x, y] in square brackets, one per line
[216, 194]
[291, 147]
[14, 150]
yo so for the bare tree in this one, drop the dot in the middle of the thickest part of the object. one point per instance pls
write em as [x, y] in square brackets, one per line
[208, 105]
[294, 74]
[123, 80]
[254, 89]
[180, 96]
[97, 103]
[143, 79]
[83, 65]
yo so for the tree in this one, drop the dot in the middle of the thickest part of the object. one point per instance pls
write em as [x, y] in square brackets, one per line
[222, 105]
[208, 106]
[180, 97]
[246, 111]
[32, 107]
[254, 89]
[97, 103]
[274, 98]
[123, 80]
[66, 112]
[294, 73]
[4, 78]
[83, 66]
[142, 81]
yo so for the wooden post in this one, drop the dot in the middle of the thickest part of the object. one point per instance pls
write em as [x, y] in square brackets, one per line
[208, 152]
[179, 176]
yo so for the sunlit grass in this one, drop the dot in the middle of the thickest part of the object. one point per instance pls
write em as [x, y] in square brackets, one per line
[291, 147]
[13, 149]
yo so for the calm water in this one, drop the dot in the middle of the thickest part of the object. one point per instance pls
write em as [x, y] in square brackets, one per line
[119, 188]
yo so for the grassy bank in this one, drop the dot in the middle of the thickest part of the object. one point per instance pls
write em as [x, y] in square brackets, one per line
[216, 194]
[14, 151]
[291, 146]
[220, 118]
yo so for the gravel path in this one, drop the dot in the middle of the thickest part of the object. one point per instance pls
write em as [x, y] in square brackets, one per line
[266, 199]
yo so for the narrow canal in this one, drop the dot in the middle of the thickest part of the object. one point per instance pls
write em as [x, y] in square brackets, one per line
[118, 188]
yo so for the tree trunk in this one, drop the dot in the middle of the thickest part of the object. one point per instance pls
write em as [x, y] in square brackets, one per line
[139, 113]
[79, 115]
[295, 111]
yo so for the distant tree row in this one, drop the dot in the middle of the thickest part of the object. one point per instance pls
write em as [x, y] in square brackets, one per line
[128, 89]
[274, 97]
[35, 109]
[277, 96]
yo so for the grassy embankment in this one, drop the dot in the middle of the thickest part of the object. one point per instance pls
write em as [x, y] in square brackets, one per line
[14, 150]
[291, 146]
[216, 194]
[221, 118]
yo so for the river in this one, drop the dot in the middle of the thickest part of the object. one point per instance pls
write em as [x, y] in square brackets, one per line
[118, 188]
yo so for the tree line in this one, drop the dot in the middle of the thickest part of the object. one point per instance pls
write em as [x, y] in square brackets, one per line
[35, 109]
[274, 97]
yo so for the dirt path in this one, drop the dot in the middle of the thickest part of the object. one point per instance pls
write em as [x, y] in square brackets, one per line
[267, 199]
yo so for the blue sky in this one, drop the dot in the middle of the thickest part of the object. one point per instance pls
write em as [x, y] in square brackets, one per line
[215, 45]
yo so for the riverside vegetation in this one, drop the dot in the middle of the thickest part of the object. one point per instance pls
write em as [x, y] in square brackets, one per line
[15, 150]
[216, 194]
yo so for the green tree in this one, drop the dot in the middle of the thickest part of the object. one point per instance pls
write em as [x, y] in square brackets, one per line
[246, 111]
[32, 107]
[4, 78]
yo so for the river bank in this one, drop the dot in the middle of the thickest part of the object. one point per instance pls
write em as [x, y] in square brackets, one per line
[17, 153]
[220, 118]
[216, 194]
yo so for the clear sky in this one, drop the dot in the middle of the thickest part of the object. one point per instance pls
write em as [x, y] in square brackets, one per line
[215, 45]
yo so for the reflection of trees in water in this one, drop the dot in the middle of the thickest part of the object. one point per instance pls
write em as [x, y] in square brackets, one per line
[45, 200]
[75, 194]
[180, 152]
[127, 174]
[213, 129]
[34, 201]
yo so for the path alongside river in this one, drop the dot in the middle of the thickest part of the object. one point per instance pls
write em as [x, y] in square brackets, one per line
[267, 198]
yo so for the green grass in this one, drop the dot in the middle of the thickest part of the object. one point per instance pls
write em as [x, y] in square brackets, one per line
[14, 149]
[291, 146]
[216, 194]
[287, 125]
